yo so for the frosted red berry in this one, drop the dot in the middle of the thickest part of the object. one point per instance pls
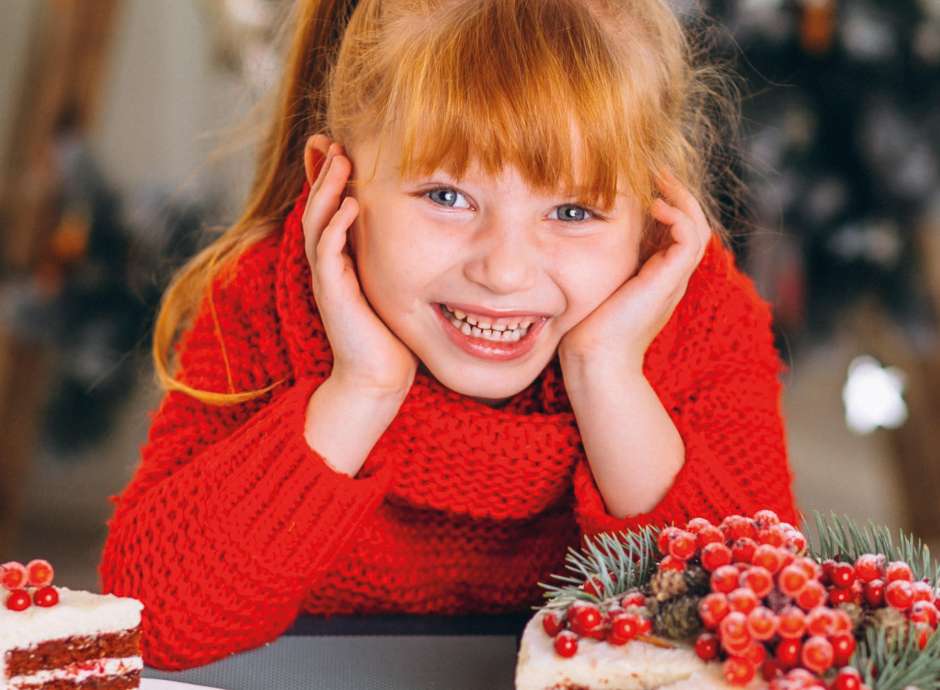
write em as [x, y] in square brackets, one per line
[843, 647]
[769, 557]
[713, 608]
[584, 618]
[552, 623]
[715, 555]
[46, 596]
[18, 600]
[899, 594]
[742, 599]
[847, 678]
[791, 580]
[593, 586]
[868, 567]
[739, 671]
[625, 626]
[39, 573]
[742, 550]
[817, 654]
[766, 518]
[725, 579]
[633, 599]
[898, 570]
[788, 653]
[13, 575]
[706, 646]
[734, 626]
[683, 545]
[762, 623]
[566, 644]
[812, 595]
[665, 536]
[875, 593]
[842, 574]
[758, 579]
[791, 623]
[921, 591]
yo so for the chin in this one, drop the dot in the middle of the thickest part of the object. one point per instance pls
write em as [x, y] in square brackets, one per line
[477, 387]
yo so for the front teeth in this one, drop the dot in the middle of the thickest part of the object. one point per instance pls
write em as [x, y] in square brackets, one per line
[480, 328]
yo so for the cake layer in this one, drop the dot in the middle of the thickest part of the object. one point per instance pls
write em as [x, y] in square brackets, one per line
[602, 666]
[77, 613]
[128, 681]
[53, 654]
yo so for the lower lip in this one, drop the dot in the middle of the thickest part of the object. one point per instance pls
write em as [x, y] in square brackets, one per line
[487, 349]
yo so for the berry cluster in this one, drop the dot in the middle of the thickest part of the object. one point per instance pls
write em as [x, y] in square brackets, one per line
[28, 584]
[773, 608]
[624, 619]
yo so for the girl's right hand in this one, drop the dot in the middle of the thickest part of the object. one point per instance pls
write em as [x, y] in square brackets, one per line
[366, 355]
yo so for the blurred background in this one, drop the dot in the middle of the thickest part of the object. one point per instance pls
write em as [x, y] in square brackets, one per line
[121, 153]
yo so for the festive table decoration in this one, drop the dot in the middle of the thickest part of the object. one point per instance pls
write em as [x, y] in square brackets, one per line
[855, 610]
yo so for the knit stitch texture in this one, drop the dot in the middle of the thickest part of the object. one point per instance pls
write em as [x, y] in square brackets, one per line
[232, 524]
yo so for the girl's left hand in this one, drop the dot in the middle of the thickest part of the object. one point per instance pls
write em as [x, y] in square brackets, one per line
[616, 335]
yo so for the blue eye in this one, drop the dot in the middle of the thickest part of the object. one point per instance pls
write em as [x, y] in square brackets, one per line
[448, 193]
[582, 213]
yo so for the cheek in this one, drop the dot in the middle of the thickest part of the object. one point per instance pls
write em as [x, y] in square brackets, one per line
[589, 275]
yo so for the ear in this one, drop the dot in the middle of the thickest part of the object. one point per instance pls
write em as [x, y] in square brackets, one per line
[314, 153]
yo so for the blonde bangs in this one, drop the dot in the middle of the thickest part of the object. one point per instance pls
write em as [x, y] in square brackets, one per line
[531, 84]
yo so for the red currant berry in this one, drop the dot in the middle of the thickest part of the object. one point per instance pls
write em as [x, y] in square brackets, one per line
[18, 600]
[626, 625]
[742, 599]
[847, 679]
[875, 593]
[771, 537]
[869, 566]
[586, 618]
[766, 518]
[770, 669]
[633, 599]
[899, 594]
[817, 654]
[921, 591]
[841, 595]
[566, 644]
[924, 633]
[842, 623]
[552, 623]
[792, 623]
[670, 562]
[843, 647]
[46, 596]
[725, 579]
[842, 575]
[739, 671]
[820, 621]
[762, 623]
[742, 551]
[13, 575]
[593, 586]
[665, 536]
[898, 570]
[796, 543]
[924, 612]
[788, 652]
[712, 608]
[737, 526]
[768, 556]
[812, 569]
[811, 596]
[756, 653]
[791, 580]
[758, 580]
[734, 627]
[682, 546]
[710, 535]
[715, 555]
[706, 646]
[39, 573]
[646, 625]
[697, 524]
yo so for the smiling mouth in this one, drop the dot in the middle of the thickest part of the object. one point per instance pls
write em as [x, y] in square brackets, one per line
[512, 331]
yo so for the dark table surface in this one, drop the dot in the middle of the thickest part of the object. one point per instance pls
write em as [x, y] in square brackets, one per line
[389, 652]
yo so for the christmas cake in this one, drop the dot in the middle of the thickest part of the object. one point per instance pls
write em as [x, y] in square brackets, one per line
[55, 638]
[743, 604]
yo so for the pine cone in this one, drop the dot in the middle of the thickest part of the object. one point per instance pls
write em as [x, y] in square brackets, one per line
[667, 584]
[697, 579]
[856, 614]
[892, 621]
[677, 618]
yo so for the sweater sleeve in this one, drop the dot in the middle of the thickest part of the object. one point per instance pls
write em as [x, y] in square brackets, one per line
[230, 517]
[728, 415]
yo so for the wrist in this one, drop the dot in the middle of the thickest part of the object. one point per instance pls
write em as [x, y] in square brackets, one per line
[587, 374]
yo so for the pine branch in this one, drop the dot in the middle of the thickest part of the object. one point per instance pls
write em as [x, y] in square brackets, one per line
[619, 561]
[899, 665]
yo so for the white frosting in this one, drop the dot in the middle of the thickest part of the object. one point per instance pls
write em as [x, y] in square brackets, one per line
[633, 666]
[80, 671]
[77, 613]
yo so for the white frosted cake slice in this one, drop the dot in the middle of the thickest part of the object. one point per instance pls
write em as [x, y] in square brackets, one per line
[82, 640]
[599, 665]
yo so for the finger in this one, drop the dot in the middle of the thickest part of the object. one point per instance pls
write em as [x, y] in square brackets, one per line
[331, 248]
[323, 204]
[680, 258]
[680, 197]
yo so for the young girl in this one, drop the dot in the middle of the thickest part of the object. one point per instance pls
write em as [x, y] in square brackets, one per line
[489, 313]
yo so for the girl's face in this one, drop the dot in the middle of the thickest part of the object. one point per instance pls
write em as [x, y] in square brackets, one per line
[490, 245]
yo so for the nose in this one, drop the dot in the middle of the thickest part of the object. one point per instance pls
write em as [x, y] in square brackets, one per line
[503, 260]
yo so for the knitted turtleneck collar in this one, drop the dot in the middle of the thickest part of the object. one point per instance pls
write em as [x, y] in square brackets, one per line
[539, 417]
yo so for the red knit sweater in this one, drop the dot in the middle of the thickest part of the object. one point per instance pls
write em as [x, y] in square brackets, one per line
[232, 524]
